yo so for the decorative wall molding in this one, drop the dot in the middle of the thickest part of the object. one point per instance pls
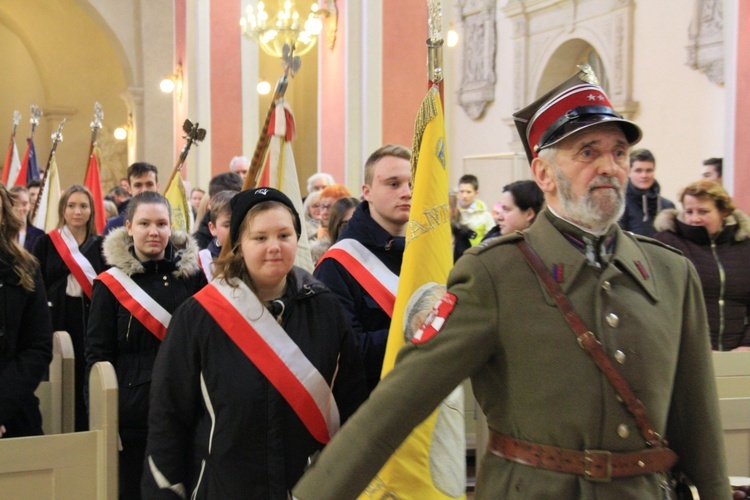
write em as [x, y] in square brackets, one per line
[705, 51]
[478, 72]
[550, 37]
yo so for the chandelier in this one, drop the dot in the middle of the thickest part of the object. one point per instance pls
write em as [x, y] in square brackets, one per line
[285, 28]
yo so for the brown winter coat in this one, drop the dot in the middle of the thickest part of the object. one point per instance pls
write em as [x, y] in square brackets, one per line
[722, 264]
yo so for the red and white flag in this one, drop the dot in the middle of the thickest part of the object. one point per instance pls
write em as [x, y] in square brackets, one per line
[94, 183]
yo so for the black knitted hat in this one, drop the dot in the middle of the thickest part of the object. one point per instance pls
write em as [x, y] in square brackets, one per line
[245, 200]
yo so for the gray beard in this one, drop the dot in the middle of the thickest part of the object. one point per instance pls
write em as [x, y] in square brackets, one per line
[596, 214]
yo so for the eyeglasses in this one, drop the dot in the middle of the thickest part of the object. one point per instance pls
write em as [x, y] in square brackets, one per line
[325, 207]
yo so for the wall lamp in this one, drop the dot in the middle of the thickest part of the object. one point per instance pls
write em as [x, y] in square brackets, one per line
[173, 83]
[330, 13]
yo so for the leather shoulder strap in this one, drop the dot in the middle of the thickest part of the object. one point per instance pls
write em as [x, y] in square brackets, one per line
[588, 342]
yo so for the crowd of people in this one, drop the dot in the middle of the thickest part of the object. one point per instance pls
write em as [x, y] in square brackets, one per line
[235, 367]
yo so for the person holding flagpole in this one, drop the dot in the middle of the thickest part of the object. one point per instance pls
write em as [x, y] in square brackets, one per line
[257, 370]
[363, 267]
[70, 258]
[153, 271]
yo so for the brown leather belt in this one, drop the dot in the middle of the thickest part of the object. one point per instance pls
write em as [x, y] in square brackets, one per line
[594, 465]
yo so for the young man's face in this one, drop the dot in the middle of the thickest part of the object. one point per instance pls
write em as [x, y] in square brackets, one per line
[642, 174]
[466, 195]
[709, 172]
[143, 182]
[389, 195]
[33, 194]
[220, 231]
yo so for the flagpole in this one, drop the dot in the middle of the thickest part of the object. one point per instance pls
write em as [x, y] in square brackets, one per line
[36, 113]
[56, 139]
[95, 126]
[193, 134]
[291, 65]
[435, 46]
[6, 168]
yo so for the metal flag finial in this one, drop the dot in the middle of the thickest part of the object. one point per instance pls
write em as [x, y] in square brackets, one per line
[57, 136]
[98, 117]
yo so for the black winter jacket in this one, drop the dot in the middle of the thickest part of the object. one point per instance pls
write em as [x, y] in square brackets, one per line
[369, 322]
[218, 428]
[116, 336]
[722, 264]
[55, 274]
[25, 351]
[641, 208]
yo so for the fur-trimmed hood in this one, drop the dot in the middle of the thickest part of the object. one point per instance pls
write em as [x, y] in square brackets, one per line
[182, 250]
[665, 221]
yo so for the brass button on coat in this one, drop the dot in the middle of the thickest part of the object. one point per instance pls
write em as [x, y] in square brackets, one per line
[623, 431]
[620, 357]
[606, 286]
[612, 320]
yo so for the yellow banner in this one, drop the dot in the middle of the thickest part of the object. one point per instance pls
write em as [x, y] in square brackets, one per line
[182, 216]
[410, 473]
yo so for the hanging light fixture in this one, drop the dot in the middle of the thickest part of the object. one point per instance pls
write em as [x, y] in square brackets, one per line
[284, 28]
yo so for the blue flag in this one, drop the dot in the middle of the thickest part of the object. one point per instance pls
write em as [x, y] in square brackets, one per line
[32, 174]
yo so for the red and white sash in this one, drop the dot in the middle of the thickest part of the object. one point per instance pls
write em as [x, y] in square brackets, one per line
[374, 276]
[207, 263]
[140, 304]
[77, 264]
[274, 353]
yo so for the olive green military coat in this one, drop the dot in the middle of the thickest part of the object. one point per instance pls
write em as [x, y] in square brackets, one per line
[535, 383]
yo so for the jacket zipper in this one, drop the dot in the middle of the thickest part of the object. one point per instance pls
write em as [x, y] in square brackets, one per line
[722, 286]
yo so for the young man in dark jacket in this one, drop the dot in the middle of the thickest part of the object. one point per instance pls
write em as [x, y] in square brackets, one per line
[642, 199]
[367, 259]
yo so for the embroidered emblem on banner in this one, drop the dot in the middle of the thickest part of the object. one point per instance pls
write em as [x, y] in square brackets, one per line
[436, 319]
[440, 151]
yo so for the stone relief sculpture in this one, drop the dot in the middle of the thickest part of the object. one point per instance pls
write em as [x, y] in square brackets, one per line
[478, 79]
[706, 40]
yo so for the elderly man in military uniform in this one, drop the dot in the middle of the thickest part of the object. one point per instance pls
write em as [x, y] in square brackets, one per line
[558, 428]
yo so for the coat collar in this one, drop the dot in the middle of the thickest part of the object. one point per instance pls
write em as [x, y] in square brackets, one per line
[567, 262]
[117, 250]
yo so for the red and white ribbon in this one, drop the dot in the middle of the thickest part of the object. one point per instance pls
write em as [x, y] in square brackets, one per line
[77, 264]
[274, 353]
[135, 299]
[374, 276]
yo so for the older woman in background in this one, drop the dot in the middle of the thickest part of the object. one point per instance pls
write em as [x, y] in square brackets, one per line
[311, 213]
[713, 234]
[340, 213]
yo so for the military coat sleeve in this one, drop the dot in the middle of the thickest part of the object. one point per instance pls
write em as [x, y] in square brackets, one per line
[424, 375]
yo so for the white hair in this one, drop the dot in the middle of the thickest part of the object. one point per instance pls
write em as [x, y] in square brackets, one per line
[236, 160]
[319, 175]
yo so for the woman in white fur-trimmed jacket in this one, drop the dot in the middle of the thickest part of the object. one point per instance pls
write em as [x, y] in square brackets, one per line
[154, 271]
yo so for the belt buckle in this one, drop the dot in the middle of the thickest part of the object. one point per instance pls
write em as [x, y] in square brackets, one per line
[589, 458]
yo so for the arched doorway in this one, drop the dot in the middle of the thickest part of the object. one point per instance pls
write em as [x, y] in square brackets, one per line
[563, 62]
